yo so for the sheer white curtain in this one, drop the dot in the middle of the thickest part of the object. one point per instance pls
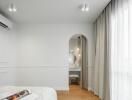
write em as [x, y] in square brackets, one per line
[121, 50]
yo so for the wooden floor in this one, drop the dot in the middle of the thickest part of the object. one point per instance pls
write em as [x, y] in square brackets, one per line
[76, 93]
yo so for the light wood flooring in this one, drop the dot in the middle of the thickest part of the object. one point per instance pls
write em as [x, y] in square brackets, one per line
[76, 93]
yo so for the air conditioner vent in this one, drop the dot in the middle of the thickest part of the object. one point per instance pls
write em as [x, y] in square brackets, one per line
[5, 23]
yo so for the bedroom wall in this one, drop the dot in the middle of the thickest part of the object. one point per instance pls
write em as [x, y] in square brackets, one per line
[42, 54]
[7, 56]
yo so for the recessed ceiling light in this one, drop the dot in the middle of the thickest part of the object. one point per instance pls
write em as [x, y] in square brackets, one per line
[85, 8]
[12, 8]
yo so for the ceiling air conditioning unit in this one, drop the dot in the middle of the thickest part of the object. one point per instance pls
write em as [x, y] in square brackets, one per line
[5, 23]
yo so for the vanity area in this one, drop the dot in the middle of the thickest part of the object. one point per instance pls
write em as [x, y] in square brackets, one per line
[75, 61]
[78, 71]
[74, 75]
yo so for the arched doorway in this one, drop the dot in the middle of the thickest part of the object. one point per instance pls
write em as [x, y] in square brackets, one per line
[78, 61]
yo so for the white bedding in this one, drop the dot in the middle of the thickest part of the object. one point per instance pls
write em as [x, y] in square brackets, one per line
[44, 93]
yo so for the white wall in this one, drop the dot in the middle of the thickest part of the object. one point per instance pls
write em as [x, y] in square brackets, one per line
[7, 56]
[42, 54]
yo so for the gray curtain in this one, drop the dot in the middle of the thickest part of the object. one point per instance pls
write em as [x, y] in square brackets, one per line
[101, 70]
[107, 53]
[99, 57]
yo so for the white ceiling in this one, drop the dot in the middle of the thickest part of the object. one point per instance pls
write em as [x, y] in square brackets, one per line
[53, 11]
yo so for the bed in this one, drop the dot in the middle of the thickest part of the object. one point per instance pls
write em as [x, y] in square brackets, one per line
[43, 93]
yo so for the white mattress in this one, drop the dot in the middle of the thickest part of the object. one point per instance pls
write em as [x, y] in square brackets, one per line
[44, 93]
